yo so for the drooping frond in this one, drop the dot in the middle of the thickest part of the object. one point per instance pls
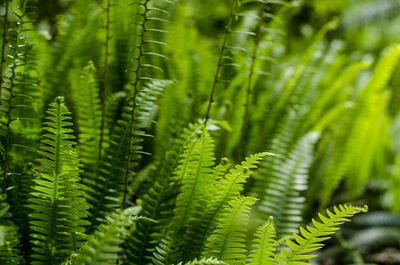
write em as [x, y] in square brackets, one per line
[166, 252]
[227, 242]
[264, 245]
[349, 143]
[310, 238]
[57, 201]
[286, 177]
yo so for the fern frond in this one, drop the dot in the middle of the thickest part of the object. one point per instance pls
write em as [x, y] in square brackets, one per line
[19, 84]
[264, 245]
[310, 238]
[229, 48]
[57, 204]
[227, 242]
[3, 45]
[109, 189]
[158, 203]
[226, 188]
[285, 180]
[9, 238]
[204, 261]
[88, 119]
[73, 48]
[195, 172]
[348, 144]
[166, 252]
[104, 246]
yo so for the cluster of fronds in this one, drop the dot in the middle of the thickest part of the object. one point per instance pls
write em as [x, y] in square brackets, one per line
[128, 137]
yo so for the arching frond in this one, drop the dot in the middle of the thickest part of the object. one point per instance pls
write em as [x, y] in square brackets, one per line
[286, 177]
[310, 238]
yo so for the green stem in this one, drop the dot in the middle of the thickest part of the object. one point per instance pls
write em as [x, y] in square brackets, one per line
[3, 48]
[248, 93]
[134, 105]
[221, 57]
[105, 91]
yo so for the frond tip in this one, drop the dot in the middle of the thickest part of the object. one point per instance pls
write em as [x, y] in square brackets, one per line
[264, 245]
[311, 237]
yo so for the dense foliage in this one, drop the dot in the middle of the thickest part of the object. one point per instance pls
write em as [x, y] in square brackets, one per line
[198, 131]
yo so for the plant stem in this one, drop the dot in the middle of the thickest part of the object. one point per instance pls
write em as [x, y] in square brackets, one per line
[221, 57]
[105, 91]
[3, 47]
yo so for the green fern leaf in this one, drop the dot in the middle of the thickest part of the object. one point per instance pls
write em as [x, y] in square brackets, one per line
[285, 180]
[228, 241]
[89, 113]
[310, 238]
[196, 174]
[204, 261]
[104, 247]
[57, 201]
[158, 203]
[9, 238]
[107, 191]
[264, 245]
[225, 189]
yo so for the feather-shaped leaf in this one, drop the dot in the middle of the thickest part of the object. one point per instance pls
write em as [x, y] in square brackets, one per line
[228, 241]
[57, 204]
[310, 238]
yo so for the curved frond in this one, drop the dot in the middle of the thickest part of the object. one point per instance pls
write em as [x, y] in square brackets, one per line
[285, 180]
[310, 238]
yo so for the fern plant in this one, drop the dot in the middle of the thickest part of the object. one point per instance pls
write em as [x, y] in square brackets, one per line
[190, 132]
